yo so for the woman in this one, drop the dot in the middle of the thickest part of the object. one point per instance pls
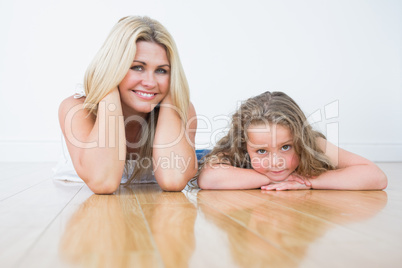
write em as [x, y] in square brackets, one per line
[133, 119]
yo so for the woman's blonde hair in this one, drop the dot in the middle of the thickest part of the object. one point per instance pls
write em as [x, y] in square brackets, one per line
[113, 61]
[272, 108]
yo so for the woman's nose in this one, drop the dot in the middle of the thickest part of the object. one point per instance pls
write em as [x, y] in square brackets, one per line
[148, 80]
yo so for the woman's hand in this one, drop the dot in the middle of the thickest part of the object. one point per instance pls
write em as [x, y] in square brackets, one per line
[293, 182]
[167, 99]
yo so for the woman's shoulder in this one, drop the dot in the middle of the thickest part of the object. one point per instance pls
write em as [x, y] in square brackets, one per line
[191, 110]
[72, 108]
[77, 99]
[70, 102]
[192, 118]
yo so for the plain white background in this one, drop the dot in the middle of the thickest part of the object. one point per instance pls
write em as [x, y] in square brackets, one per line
[340, 59]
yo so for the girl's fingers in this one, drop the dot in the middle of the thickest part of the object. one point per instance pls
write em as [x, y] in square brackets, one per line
[270, 187]
[289, 185]
[276, 186]
[301, 180]
[297, 178]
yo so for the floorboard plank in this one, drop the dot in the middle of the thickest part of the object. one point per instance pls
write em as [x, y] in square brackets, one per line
[97, 231]
[25, 216]
[9, 171]
[19, 182]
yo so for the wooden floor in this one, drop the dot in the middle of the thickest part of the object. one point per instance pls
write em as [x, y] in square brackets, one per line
[47, 223]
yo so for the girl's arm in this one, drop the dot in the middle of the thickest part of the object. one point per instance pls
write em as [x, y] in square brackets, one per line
[225, 176]
[96, 143]
[174, 158]
[353, 172]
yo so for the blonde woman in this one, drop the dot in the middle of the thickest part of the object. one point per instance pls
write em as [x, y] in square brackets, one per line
[134, 121]
[271, 146]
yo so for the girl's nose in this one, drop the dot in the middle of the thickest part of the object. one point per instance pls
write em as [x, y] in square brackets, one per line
[274, 160]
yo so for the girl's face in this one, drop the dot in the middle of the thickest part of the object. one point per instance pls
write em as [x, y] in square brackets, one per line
[271, 150]
[147, 81]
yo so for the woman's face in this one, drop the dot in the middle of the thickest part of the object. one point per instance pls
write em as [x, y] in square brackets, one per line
[271, 151]
[147, 81]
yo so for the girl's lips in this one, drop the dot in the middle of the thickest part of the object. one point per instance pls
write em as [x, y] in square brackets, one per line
[144, 95]
[277, 172]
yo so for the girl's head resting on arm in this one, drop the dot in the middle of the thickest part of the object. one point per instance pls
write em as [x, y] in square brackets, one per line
[115, 58]
[271, 134]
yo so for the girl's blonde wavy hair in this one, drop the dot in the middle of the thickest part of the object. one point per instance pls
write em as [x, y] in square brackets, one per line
[272, 108]
[113, 61]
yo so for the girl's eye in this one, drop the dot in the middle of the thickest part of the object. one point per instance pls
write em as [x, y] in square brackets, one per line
[286, 148]
[137, 68]
[261, 151]
[161, 71]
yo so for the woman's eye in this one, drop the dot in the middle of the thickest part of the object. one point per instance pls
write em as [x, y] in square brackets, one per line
[286, 148]
[137, 68]
[161, 71]
[261, 151]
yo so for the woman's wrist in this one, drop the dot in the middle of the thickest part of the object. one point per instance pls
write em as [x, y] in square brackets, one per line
[167, 99]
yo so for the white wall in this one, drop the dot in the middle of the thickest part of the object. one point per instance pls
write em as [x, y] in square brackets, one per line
[341, 52]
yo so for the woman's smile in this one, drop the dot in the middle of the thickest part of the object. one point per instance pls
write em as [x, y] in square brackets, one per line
[145, 95]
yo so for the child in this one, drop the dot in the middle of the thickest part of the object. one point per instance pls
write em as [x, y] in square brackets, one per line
[271, 146]
[135, 107]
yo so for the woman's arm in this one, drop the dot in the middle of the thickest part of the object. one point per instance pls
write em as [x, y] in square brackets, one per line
[225, 176]
[353, 172]
[175, 162]
[97, 144]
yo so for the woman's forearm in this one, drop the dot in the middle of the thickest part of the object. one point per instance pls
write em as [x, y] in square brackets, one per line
[104, 164]
[174, 158]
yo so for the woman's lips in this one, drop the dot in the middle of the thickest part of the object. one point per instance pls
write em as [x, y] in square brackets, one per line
[144, 95]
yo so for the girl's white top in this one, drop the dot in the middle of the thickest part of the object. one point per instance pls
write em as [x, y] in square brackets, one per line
[64, 170]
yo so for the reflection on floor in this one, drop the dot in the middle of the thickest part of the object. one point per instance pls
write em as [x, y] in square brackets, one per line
[47, 223]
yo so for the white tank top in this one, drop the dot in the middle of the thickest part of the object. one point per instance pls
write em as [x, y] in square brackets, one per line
[64, 170]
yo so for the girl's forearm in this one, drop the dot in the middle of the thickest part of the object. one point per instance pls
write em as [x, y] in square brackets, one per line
[359, 177]
[220, 176]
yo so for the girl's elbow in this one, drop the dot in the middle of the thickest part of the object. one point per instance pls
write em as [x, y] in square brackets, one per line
[204, 183]
[203, 186]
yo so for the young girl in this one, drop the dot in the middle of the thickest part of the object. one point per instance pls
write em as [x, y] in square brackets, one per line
[271, 146]
[132, 121]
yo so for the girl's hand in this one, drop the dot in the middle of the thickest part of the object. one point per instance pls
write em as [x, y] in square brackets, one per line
[285, 185]
[293, 182]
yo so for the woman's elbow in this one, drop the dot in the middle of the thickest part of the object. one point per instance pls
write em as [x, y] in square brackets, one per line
[171, 185]
[383, 181]
[380, 179]
[103, 188]
[102, 185]
[172, 182]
